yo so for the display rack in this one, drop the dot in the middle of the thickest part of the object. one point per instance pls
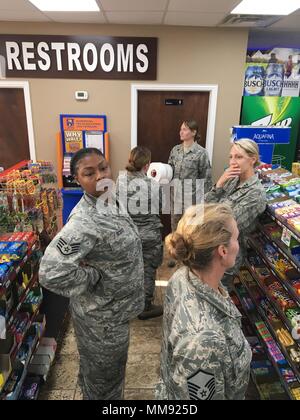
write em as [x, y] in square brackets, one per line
[265, 367]
[271, 276]
[30, 208]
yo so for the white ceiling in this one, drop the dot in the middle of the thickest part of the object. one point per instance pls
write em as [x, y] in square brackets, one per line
[145, 12]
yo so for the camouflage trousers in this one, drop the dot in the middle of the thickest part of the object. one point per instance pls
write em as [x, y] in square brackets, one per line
[152, 256]
[103, 350]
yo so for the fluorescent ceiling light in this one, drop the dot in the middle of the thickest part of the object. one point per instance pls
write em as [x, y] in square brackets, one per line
[266, 7]
[66, 5]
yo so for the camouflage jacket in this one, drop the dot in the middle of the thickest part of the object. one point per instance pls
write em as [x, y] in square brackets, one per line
[205, 355]
[193, 164]
[247, 200]
[143, 202]
[96, 260]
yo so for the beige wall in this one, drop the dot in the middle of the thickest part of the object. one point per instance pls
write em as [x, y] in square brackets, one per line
[185, 55]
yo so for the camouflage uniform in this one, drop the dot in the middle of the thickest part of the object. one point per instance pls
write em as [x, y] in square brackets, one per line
[192, 163]
[247, 200]
[96, 261]
[205, 355]
[146, 191]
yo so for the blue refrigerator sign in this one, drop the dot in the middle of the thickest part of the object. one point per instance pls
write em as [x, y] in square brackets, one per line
[265, 137]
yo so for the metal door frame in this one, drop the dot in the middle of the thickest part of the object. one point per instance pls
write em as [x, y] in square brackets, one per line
[212, 108]
[25, 86]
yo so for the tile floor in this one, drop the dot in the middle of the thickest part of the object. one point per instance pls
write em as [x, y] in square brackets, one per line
[144, 349]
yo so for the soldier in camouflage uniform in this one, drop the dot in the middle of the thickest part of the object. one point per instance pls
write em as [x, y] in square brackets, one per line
[96, 261]
[143, 202]
[240, 187]
[204, 355]
[189, 162]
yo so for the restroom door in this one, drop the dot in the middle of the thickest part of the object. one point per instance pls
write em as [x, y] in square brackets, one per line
[14, 142]
[160, 115]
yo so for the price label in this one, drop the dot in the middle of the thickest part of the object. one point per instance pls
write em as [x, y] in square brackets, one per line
[286, 236]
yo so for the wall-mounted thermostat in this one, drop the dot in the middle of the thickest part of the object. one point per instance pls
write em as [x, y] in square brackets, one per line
[81, 95]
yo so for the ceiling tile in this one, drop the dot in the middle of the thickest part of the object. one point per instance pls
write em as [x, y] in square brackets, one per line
[204, 6]
[76, 17]
[193, 19]
[133, 5]
[135, 18]
[16, 15]
[17, 5]
[288, 22]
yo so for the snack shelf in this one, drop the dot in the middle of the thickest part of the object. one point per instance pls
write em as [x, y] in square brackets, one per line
[18, 345]
[282, 223]
[283, 249]
[284, 283]
[274, 304]
[270, 327]
[23, 297]
[33, 349]
[16, 269]
[253, 318]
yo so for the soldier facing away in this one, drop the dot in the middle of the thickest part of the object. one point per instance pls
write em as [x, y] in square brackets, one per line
[96, 260]
[143, 205]
[205, 355]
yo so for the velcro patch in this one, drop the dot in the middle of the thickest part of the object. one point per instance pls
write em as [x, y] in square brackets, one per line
[201, 386]
[66, 248]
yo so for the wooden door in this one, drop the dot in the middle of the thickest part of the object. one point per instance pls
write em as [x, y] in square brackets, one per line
[160, 115]
[14, 142]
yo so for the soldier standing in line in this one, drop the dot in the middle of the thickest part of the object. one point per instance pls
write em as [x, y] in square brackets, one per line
[143, 203]
[189, 161]
[96, 261]
[204, 355]
[240, 187]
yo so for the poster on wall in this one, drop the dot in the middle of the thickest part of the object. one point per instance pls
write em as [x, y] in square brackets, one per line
[77, 132]
[278, 111]
[80, 131]
[273, 72]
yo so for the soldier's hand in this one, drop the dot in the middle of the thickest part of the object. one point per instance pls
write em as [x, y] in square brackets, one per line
[231, 172]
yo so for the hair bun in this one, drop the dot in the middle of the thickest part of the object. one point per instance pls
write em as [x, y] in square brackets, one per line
[178, 247]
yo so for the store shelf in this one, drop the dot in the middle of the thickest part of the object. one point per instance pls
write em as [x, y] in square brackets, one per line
[284, 283]
[282, 248]
[33, 349]
[271, 328]
[23, 298]
[273, 303]
[282, 223]
[18, 346]
[274, 364]
[15, 270]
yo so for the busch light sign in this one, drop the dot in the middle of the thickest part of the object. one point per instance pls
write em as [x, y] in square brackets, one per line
[272, 73]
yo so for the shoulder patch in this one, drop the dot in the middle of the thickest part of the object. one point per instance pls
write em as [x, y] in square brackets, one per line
[201, 386]
[66, 248]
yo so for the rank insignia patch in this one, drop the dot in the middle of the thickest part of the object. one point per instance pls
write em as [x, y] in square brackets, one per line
[67, 249]
[201, 386]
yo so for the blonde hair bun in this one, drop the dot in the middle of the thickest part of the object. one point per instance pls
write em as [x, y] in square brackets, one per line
[199, 232]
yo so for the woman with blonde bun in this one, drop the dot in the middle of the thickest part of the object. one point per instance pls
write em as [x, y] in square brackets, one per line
[240, 187]
[205, 355]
